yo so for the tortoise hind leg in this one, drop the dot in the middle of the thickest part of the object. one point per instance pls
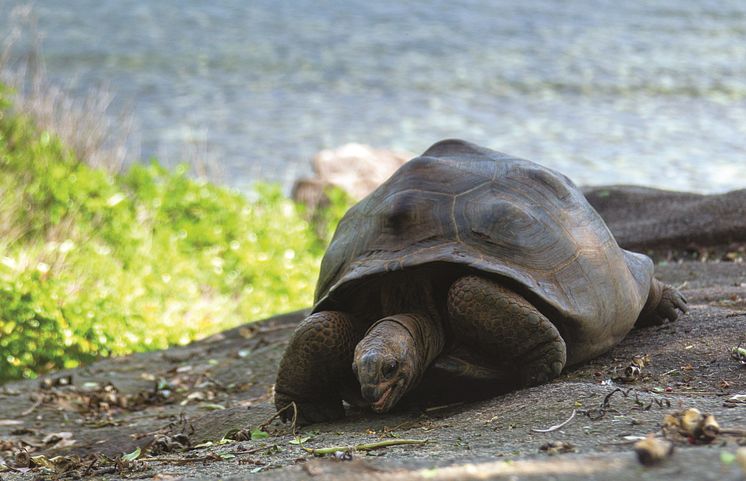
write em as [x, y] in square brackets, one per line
[664, 302]
[316, 366]
[505, 328]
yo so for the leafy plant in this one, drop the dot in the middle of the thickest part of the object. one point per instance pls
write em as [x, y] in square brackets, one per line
[95, 264]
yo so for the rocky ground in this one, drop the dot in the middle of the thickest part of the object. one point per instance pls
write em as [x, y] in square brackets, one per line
[192, 411]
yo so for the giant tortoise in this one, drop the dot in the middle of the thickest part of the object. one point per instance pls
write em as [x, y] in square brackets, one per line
[466, 264]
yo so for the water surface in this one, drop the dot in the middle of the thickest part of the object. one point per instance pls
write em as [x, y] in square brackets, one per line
[650, 92]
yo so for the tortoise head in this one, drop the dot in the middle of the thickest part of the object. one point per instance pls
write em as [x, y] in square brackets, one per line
[387, 363]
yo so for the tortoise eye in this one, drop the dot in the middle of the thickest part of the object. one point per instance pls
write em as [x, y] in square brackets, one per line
[389, 369]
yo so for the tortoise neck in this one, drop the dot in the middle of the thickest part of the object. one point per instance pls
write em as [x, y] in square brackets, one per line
[427, 336]
[410, 299]
[406, 338]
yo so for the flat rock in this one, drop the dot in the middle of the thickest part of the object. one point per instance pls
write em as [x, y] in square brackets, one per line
[224, 383]
[645, 218]
[355, 168]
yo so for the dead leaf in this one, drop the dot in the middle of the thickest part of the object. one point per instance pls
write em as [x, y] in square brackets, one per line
[652, 450]
[557, 447]
[54, 438]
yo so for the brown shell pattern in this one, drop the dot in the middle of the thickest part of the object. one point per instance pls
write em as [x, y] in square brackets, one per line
[507, 217]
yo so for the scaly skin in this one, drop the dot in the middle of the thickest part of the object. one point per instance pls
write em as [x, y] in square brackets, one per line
[520, 345]
[664, 302]
[394, 354]
[316, 367]
[506, 329]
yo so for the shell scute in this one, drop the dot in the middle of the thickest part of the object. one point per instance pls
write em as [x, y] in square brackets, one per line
[508, 218]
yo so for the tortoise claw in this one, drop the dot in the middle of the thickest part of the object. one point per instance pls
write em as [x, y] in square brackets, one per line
[679, 300]
[672, 302]
[671, 305]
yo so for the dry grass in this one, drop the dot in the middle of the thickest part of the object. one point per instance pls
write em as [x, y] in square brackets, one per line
[101, 138]
[195, 153]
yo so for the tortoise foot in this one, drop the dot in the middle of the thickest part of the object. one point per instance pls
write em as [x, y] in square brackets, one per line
[544, 363]
[506, 330]
[670, 303]
[315, 367]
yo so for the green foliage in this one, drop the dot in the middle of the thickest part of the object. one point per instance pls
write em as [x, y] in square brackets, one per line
[93, 265]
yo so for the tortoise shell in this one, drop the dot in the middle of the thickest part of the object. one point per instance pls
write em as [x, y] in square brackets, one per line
[466, 206]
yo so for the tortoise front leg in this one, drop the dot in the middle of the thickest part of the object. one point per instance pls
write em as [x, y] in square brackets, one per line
[316, 366]
[505, 328]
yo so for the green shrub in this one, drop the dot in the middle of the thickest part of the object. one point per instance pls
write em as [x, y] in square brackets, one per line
[94, 265]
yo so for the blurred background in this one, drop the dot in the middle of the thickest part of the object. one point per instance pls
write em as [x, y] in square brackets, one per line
[650, 93]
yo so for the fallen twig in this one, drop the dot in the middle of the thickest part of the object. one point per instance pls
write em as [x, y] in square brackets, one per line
[217, 383]
[252, 451]
[698, 393]
[200, 459]
[277, 414]
[209, 457]
[620, 443]
[364, 447]
[607, 399]
[33, 408]
[556, 426]
[90, 467]
[605, 405]
[404, 424]
[433, 409]
[104, 470]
